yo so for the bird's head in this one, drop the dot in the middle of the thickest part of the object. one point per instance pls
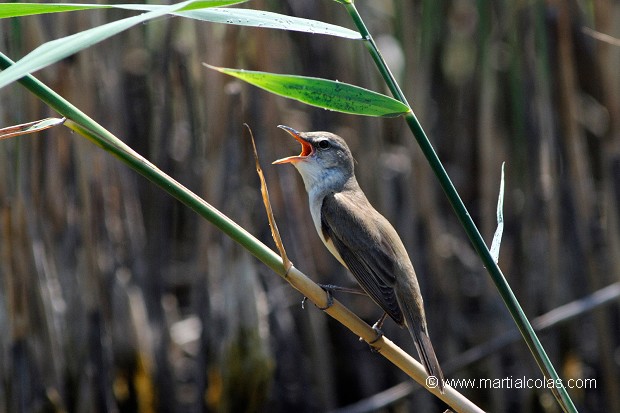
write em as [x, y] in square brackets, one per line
[325, 158]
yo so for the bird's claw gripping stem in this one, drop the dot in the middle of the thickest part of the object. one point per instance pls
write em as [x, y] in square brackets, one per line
[372, 342]
[330, 297]
[378, 332]
[376, 327]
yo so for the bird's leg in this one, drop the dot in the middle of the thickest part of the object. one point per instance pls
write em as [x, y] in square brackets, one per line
[332, 288]
[330, 300]
[377, 328]
[329, 289]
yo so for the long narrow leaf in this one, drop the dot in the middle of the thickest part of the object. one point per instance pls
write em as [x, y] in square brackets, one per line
[51, 52]
[205, 10]
[323, 93]
[29, 9]
[269, 20]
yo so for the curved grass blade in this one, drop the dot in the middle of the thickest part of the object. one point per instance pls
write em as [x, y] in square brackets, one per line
[323, 93]
[205, 10]
[51, 52]
[29, 9]
[269, 20]
[497, 237]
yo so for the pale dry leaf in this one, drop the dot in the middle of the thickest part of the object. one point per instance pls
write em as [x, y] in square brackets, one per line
[272, 221]
[30, 127]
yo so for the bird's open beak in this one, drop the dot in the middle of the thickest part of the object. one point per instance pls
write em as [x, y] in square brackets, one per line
[306, 148]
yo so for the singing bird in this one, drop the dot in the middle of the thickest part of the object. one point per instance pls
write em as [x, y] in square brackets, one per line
[360, 237]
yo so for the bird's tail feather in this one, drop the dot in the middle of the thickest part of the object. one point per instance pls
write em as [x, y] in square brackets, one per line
[428, 357]
[416, 323]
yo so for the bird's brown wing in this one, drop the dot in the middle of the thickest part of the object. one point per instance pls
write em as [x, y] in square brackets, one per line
[365, 253]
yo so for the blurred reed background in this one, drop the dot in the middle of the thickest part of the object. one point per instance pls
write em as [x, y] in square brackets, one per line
[116, 298]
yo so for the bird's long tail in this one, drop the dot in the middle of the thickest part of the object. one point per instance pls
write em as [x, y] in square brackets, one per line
[413, 310]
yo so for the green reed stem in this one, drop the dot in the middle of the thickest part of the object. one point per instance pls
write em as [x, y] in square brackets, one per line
[523, 324]
[86, 126]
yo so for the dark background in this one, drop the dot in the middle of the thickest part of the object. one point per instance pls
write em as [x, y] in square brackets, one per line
[115, 297]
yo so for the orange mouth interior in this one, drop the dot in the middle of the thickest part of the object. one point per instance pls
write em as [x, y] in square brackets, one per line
[306, 148]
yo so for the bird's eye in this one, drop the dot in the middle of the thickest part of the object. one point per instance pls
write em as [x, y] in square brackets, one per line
[324, 144]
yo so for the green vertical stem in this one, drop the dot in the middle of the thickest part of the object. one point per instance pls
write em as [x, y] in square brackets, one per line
[471, 230]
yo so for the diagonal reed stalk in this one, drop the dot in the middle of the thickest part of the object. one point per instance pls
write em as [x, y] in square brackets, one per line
[511, 302]
[87, 127]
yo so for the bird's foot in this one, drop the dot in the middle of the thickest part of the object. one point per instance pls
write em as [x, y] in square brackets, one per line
[371, 343]
[329, 289]
[330, 298]
[379, 333]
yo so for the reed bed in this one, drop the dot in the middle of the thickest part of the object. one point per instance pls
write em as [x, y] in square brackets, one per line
[115, 297]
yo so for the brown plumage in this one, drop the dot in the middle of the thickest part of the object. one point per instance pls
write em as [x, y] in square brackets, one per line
[360, 237]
